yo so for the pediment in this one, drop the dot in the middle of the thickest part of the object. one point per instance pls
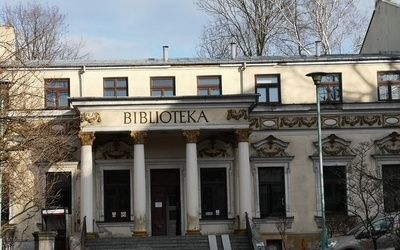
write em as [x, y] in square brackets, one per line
[271, 146]
[333, 145]
[389, 144]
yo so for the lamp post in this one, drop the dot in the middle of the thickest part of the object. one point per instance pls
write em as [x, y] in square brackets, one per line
[317, 77]
[3, 97]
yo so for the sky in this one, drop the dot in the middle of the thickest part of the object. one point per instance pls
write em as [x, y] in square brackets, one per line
[136, 29]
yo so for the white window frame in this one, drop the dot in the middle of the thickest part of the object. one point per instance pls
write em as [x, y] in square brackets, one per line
[344, 161]
[265, 162]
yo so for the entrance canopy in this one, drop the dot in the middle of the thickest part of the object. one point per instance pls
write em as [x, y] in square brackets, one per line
[164, 113]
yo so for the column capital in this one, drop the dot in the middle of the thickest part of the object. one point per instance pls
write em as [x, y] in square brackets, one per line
[191, 136]
[87, 138]
[242, 135]
[139, 137]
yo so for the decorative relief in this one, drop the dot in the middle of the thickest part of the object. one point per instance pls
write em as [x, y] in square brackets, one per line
[90, 118]
[254, 122]
[87, 138]
[271, 146]
[191, 135]
[299, 121]
[330, 121]
[391, 120]
[139, 137]
[389, 144]
[270, 123]
[237, 114]
[242, 135]
[361, 120]
[333, 145]
[116, 151]
[213, 148]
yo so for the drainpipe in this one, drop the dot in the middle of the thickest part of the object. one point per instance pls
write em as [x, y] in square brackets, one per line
[81, 80]
[242, 78]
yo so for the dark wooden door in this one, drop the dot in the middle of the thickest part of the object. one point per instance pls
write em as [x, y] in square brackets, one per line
[165, 205]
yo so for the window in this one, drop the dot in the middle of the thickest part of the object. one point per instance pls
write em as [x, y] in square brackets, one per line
[272, 191]
[389, 86]
[330, 88]
[335, 190]
[59, 190]
[213, 193]
[268, 86]
[115, 87]
[162, 86]
[57, 93]
[391, 187]
[274, 244]
[209, 85]
[117, 195]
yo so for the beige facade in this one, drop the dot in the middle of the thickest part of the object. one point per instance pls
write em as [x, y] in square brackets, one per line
[200, 162]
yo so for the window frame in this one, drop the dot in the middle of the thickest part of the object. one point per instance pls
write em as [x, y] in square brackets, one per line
[267, 87]
[389, 85]
[115, 88]
[213, 185]
[57, 91]
[265, 162]
[209, 87]
[162, 88]
[330, 86]
[382, 160]
[329, 161]
[334, 184]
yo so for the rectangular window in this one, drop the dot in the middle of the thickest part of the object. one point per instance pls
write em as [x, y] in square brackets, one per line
[389, 86]
[330, 88]
[335, 190]
[59, 190]
[391, 187]
[162, 86]
[209, 85]
[272, 191]
[115, 86]
[57, 92]
[268, 86]
[213, 193]
[117, 195]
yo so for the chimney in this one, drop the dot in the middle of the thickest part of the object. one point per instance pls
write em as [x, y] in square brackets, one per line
[165, 53]
[318, 48]
[7, 43]
[233, 50]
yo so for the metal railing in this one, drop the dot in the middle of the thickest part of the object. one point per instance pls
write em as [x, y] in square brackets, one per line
[254, 234]
[83, 233]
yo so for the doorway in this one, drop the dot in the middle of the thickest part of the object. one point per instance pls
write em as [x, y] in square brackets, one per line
[165, 202]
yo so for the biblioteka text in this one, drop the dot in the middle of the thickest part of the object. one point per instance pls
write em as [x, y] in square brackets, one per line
[164, 117]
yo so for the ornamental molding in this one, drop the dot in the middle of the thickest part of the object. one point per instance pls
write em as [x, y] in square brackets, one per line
[242, 135]
[213, 148]
[277, 122]
[237, 114]
[139, 137]
[191, 136]
[87, 138]
[389, 144]
[90, 118]
[334, 146]
[114, 150]
[270, 147]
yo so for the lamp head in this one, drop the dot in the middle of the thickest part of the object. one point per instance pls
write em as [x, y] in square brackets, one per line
[316, 76]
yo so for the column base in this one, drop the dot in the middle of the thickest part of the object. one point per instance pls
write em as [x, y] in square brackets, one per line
[92, 235]
[240, 231]
[193, 233]
[139, 234]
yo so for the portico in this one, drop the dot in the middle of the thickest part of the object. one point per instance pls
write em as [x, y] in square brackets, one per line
[193, 119]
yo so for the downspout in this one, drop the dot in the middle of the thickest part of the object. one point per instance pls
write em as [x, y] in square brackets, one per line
[242, 78]
[81, 80]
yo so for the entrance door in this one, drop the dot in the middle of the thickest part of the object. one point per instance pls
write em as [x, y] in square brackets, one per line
[165, 207]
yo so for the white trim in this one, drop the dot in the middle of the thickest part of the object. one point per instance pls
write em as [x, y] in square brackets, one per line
[265, 162]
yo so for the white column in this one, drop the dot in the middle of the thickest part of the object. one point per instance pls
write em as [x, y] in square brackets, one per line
[245, 200]
[87, 200]
[139, 184]
[192, 183]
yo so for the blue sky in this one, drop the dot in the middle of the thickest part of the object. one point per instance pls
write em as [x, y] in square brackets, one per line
[135, 29]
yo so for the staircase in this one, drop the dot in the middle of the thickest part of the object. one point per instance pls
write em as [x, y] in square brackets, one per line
[237, 242]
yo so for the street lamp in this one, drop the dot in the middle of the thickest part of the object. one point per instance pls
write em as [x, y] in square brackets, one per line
[3, 98]
[317, 77]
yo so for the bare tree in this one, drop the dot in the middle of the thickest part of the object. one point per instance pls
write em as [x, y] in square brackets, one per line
[31, 142]
[40, 32]
[284, 27]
